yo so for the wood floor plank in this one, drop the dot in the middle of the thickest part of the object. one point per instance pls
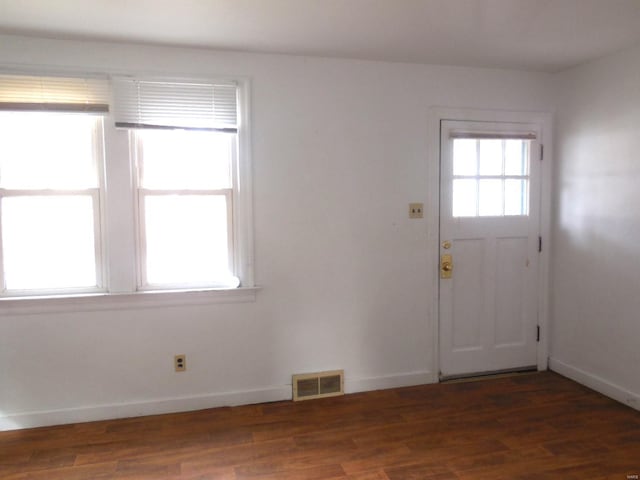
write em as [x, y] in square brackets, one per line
[368, 475]
[539, 426]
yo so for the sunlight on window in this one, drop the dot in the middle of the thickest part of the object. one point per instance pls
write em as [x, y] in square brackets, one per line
[490, 157]
[465, 198]
[516, 197]
[41, 150]
[516, 161]
[465, 157]
[50, 186]
[185, 160]
[186, 236]
[490, 198]
[48, 242]
[187, 239]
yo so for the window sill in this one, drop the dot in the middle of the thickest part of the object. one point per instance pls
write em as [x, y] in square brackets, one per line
[124, 301]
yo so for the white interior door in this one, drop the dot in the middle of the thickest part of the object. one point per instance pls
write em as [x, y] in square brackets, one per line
[489, 228]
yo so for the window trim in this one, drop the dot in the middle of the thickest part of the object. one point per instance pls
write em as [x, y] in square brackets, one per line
[73, 302]
[243, 191]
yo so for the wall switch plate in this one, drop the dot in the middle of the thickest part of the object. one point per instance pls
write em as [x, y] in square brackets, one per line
[415, 210]
[180, 362]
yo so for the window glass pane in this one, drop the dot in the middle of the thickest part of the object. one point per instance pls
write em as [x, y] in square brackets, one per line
[490, 198]
[48, 242]
[465, 158]
[181, 159]
[516, 157]
[44, 150]
[490, 157]
[186, 239]
[516, 197]
[465, 198]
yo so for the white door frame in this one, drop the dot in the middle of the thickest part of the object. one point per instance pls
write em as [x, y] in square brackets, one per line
[432, 214]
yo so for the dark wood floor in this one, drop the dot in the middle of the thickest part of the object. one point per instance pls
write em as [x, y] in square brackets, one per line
[538, 426]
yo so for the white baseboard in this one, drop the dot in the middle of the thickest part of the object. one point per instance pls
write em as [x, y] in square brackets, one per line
[199, 402]
[596, 383]
[388, 381]
[136, 409]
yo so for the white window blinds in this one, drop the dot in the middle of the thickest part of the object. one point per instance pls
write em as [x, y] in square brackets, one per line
[141, 103]
[19, 92]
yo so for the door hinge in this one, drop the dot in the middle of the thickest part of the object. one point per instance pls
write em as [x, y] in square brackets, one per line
[539, 244]
[541, 152]
[537, 333]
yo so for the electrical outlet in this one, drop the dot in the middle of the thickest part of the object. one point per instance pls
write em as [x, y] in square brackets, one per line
[180, 362]
[415, 210]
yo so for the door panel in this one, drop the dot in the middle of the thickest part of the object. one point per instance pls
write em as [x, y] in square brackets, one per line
[510, 275]
[489, 223]
[469, 270]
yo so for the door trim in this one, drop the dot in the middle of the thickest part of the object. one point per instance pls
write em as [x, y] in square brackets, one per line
[432, 213]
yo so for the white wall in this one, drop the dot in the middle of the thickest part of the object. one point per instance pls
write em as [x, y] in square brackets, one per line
[339, 150]
[596, 278]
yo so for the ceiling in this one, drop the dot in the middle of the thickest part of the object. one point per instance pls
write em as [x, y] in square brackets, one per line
[539, 35]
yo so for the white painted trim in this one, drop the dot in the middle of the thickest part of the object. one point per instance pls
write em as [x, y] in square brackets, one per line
[432, 215]
[243, 190]
[197, 402]
[388, 381]
[117, 301]
[544, 275]
[596, 383]
[154, 407]
[432, 211]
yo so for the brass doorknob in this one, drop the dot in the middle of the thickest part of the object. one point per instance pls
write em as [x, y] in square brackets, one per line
[446, 266]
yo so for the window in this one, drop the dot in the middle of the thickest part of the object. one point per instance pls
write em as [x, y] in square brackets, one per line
[50, 199]
[490, 176]
[50, 185]
[77, 216]
[185, 137]
[185, 207]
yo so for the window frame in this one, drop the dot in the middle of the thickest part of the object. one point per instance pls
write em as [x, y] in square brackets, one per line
[97, 195]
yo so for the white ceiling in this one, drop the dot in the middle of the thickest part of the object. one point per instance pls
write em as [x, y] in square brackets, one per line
[543, 35]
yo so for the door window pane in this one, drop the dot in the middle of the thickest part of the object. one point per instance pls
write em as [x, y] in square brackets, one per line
[465, 198]
[516, 196]
[515, 162]
[48, 242]
[490, 198]
[490, 157]
[465, 157]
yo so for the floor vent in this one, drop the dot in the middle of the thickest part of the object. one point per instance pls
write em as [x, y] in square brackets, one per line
[307, 386]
